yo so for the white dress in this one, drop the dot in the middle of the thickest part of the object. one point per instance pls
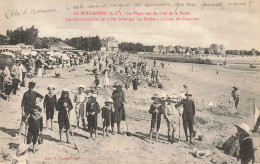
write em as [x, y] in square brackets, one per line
[106, 80]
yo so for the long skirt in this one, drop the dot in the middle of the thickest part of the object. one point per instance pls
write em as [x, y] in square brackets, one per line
[39, 72]
[92, 121]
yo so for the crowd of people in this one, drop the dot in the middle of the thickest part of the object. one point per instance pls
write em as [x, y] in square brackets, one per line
[88, 109]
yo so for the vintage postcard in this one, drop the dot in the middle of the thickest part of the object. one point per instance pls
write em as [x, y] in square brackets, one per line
[136, 82]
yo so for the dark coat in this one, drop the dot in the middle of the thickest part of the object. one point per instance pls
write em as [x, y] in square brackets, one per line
[153, 107]
[118, 98]
[246, 151]
[188, 108]
[62, 115]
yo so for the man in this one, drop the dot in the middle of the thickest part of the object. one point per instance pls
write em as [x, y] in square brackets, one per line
[235, 94]
[154, 63]
[16, 72]
[28, 104]
[118, 98]
[187, 115]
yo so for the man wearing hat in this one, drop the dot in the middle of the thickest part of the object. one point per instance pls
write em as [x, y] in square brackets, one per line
[80, 99]
[246, 151]
[28, 104]
[118, 97]
[16, 73]
[235, 94]
[170, 113]
[187, 115]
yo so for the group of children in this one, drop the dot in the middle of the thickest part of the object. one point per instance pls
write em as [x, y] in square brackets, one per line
[160, 107]
[86, 108]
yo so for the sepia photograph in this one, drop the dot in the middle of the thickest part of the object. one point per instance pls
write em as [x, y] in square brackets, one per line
[130, 82]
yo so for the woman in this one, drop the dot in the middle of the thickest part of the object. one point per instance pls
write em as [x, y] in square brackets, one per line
[118, 98]
[7, 82]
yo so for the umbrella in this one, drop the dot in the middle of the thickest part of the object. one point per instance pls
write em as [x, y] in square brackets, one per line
[8, 54]
[33, 53]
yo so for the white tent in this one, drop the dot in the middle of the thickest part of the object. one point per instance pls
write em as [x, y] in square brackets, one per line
[8, 54]
[58, 54]
[65, 57]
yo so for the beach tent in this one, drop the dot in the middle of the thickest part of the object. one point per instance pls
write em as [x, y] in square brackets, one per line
[65, 57]
[8, 54]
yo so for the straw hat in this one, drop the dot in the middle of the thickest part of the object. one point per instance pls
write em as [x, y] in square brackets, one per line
[156, 95]
[244, 127]
[22, 148]
[170, 98]
[188, 94]
[109, 100]
[81, 86]
[94, 95]
[65, 90]
[51, 86]
[175, 96]
[163, 96]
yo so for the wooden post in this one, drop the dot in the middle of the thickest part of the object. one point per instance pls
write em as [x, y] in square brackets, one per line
[254, 114]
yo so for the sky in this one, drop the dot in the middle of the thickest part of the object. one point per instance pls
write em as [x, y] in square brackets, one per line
[236, 27]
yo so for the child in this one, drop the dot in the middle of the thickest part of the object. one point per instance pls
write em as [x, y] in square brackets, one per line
[96, 81]
[106, 115]
[92, 109]
[246, 152]
[170, 115]
[35, 123]
[49, 103]
[156, 110]
[80, 99]
[64, 106]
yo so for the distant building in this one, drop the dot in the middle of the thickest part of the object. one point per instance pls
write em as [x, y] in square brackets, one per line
[170, 49]
[109, 44]
[159, 48]
[60, 46]
[217, 49]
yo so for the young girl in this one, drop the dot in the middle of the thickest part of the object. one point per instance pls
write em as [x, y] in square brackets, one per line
[106, 115]
[64, 106]
[80, 99]
[92, 109]
[156, 111]
[49, 103]
[35, 123]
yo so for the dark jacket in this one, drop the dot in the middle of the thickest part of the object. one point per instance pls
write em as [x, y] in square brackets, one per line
[246, 149]
[62, 115]
[93, 106]
[188, 107]
[35, 123]
[153, 107]
[29, 100]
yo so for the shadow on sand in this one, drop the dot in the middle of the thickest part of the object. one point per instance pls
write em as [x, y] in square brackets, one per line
[11, 132]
